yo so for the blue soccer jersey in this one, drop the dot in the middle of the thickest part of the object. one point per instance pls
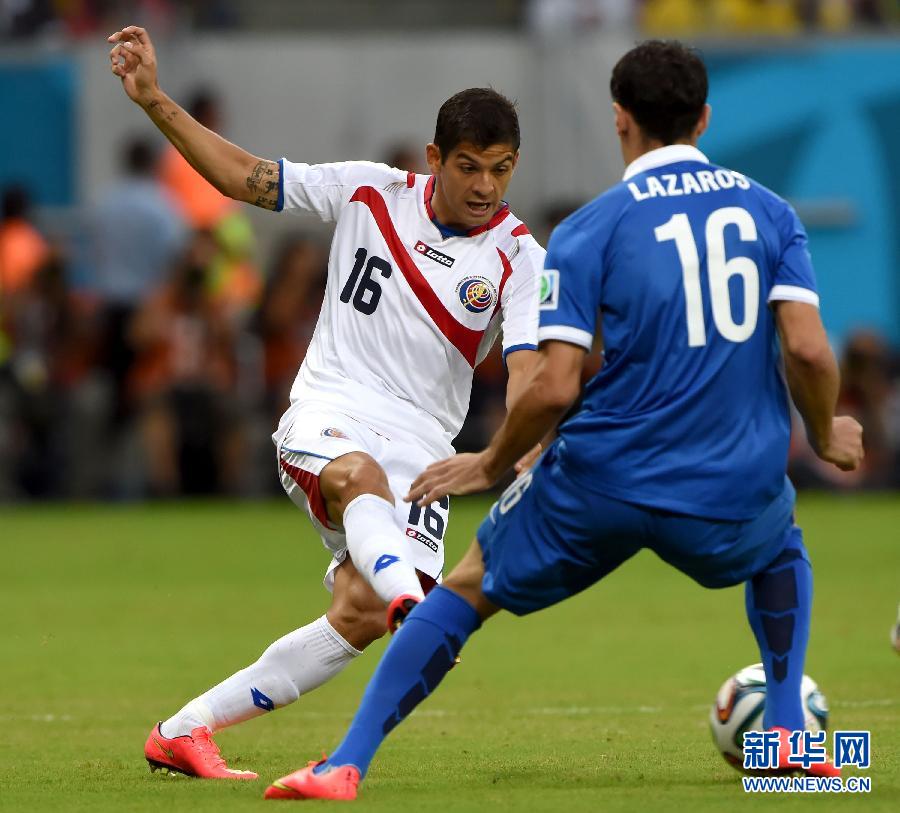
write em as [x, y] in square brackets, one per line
[690, 412]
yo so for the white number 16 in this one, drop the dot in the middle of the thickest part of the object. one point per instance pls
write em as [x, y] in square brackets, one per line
[720, 270]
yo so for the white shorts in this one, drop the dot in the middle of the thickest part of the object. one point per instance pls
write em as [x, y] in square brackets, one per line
[316, 435]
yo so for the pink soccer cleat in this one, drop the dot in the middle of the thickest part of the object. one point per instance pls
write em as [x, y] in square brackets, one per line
[786, 766]
[338, 782]
[398, 609]
[193, 755]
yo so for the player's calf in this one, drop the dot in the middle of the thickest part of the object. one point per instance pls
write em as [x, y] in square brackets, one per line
[356, 485]
[356, 611]
[466, 579]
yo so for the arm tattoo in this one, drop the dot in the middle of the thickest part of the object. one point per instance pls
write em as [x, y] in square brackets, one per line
[263, 182]
[157, 108]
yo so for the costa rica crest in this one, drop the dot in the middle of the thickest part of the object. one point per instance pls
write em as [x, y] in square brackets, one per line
[476, 294]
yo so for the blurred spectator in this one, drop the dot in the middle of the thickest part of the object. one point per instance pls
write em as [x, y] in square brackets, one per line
[235, 277]
[182, 382]
[552, 214]
[82, 18]
[201, 204]
[867, 393]
[53, 350]
[559, 17]
[25, 18]
[288, 316]
[213, 15]
[22, 248]
[670, 17]
[135, 236]
[408, 157]
[870, 392]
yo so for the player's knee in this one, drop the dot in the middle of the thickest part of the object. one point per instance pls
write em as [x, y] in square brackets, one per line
[351, 476]
[365, 476]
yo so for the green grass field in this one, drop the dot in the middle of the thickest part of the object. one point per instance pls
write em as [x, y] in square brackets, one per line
[114, 616]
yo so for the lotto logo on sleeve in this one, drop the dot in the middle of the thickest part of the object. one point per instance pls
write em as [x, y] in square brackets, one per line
[549, 296]
[476, 294]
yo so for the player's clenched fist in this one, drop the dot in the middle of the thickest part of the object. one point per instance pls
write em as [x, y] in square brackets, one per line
[845, 448]
[133, 60]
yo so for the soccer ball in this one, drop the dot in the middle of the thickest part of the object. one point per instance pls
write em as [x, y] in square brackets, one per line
[740, 704]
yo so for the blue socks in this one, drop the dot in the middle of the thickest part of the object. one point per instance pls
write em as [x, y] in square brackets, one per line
[778, 607]
[422, 651]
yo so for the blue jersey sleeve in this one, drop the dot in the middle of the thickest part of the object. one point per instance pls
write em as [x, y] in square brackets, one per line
[794, 277]
[570, 289]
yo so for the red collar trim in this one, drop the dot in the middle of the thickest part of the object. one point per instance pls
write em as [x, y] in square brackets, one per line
[501, 214]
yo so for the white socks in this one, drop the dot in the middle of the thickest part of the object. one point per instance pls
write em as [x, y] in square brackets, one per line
[310, 656]
[295, 664]
[379, 549]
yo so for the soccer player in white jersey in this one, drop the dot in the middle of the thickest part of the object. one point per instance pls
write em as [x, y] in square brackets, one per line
[424, 273]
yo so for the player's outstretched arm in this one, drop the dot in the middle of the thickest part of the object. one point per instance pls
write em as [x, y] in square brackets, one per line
[548, 393]
[232, 170]
[814, 381]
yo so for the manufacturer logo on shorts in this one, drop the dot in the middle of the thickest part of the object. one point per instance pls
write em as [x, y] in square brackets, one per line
[412, 533]
[476, 294]
[434, 254]
[331, 432]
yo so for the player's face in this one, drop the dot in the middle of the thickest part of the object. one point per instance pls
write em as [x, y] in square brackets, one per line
[471, 182]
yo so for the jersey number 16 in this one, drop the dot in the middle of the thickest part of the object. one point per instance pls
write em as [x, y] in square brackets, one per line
[719, 269]
[368, 293]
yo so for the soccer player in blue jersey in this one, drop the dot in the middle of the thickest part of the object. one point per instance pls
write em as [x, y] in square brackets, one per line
[701, 285]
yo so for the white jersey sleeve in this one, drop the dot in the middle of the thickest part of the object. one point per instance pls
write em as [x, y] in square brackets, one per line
[519, 300]
[325, 189]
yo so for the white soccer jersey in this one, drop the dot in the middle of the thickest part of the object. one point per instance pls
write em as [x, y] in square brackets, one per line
[408, 313]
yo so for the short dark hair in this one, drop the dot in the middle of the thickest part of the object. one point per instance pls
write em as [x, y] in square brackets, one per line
[663, 84]
[481, 116]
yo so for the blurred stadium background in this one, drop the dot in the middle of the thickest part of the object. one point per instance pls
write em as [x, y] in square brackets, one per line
[150, 330]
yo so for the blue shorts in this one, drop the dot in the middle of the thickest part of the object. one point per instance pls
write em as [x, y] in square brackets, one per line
[546, 539]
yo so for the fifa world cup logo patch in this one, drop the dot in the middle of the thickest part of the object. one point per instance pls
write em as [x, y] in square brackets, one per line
[476, 294]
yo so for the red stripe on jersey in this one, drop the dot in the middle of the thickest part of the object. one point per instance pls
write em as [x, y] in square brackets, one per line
[507, 271]
[410, 180]
[496, 220]
[461, 337]
[309, 483]
[520, 230]
[429, 191]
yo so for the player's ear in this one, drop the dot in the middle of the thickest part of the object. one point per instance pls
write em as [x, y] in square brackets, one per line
[433, 158]
[622, 119]
[702, 122]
